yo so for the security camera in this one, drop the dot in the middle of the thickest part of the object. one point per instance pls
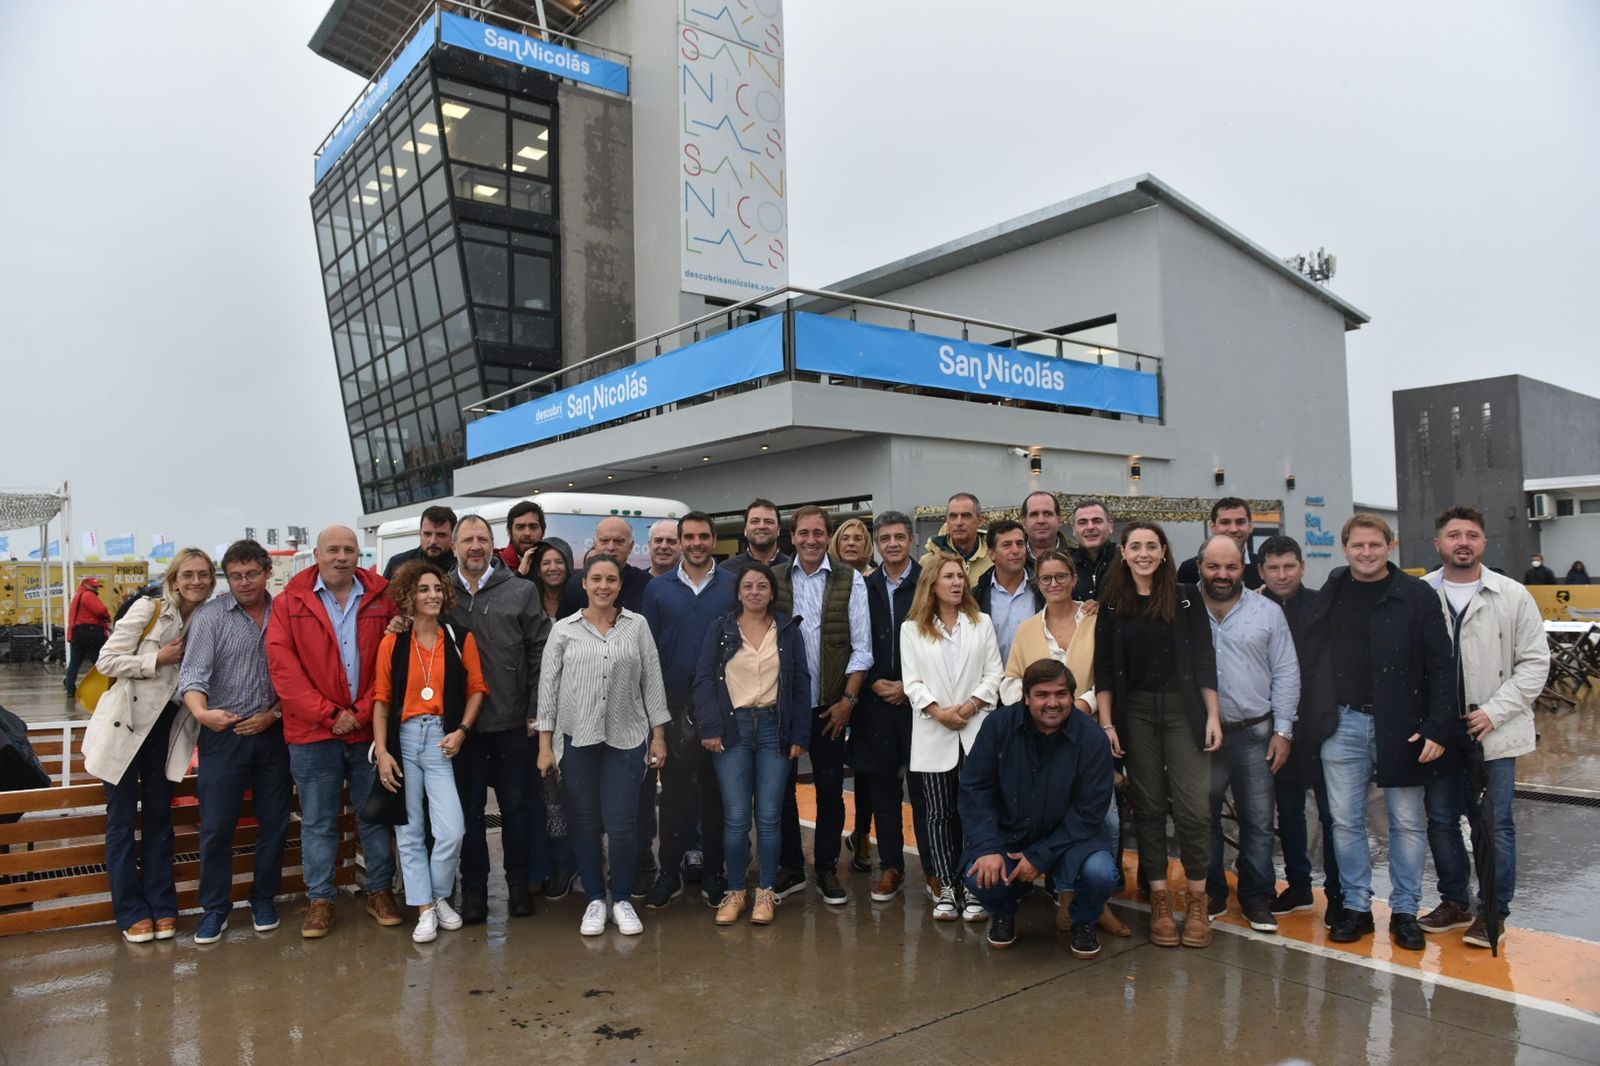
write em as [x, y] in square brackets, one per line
[1020, 453]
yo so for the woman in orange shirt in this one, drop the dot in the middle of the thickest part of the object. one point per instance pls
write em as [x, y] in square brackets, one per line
[438, 688]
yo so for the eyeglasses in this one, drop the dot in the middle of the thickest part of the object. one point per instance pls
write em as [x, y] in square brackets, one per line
[248, 575]
[1055, 579]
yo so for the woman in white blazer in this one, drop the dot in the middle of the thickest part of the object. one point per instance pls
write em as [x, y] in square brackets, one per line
[950, 666]
[140, 741]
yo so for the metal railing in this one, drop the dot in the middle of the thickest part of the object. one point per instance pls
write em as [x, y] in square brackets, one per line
[815, 300]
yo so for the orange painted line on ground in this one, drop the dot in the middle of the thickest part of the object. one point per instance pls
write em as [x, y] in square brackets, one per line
[1542, 966]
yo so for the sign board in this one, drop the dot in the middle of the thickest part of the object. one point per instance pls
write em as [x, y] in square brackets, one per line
[1567, 603]
[844, 348]
[732, 172]
[744, 354]
[497, 42]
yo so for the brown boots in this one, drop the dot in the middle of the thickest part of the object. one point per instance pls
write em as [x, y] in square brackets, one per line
[1196, 922]
[1163, 929]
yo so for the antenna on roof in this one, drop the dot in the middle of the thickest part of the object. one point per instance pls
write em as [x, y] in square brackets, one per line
[1317, 266]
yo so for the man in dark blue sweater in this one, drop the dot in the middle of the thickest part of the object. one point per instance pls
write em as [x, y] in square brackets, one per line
[1034, 794]
[681, 607]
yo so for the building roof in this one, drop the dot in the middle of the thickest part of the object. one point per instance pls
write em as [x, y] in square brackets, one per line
[1558, 484]
[1111, 201]
[361, 35]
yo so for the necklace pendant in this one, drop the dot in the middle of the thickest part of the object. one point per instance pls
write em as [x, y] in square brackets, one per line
[427, 692]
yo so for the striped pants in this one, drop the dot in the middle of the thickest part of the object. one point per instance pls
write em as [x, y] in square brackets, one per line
[941, 851]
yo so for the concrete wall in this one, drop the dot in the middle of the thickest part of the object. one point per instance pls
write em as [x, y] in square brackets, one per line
[1560, 431]
[597, 260]
[1575, 537]
[1489, 477]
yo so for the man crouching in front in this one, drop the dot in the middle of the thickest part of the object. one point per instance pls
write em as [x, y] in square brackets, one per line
[1034, 794]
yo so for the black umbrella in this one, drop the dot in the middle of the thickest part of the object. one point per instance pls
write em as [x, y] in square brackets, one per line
[1483, 852]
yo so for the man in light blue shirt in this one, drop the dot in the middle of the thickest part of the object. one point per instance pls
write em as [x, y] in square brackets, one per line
[1258, 692]
[835, 626]
[344, 616]
[1006, 593]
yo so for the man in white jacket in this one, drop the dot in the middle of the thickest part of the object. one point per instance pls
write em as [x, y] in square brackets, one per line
[1502, 660]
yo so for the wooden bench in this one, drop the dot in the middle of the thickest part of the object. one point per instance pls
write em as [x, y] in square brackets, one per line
[52, 867]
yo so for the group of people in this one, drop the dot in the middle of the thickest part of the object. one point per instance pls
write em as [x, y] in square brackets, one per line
[1030, 685]
[1540, 574]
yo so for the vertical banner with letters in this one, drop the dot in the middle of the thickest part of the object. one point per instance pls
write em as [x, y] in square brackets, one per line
[732, 162]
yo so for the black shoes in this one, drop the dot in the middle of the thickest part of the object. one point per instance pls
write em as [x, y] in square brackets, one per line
[560, 884]
[1003, 931]
[1292, 899]
[713, 886]
[1085, 941]
[666, 889]
[1405, 932]
[788, 883]
[1334, 912]
[519, 901]
[474, 905]
[830, 889]
[1216, 908]
[1259, 914]
[1352, 926]
[694, 866]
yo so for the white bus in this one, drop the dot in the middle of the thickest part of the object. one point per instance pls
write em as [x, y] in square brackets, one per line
[569, 517]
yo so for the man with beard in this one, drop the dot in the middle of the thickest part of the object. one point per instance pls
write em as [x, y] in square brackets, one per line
[1230, 517]
[1258, 691]
[438, 543]
[1091, 527]
[761, 529]
[525, 528]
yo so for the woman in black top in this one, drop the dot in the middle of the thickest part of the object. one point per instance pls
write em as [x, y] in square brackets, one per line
[1156, 685]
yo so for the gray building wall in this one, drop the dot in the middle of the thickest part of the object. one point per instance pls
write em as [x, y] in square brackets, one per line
[1560, 430]
[597, 261]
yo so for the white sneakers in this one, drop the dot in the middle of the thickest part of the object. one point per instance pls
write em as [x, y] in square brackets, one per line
[944, 908]
[623, 914]
[974, 912]
[448, 918]
[427, 925]
[628, 923]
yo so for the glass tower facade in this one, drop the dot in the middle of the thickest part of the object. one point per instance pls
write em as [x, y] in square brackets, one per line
[438, 235]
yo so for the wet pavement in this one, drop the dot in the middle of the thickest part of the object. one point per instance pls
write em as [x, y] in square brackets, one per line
[864, 982]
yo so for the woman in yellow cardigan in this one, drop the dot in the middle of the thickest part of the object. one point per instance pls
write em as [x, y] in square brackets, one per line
[1063, 631]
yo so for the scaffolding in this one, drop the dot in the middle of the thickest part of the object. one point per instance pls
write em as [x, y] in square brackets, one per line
[37, 508]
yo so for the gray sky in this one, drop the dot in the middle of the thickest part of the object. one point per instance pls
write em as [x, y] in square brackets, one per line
[167, 342]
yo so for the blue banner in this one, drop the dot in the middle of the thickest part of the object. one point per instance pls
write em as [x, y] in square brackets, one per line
[53, 550]
[498, 43]
[844, 348]
[167, 551]
[744, 354]
[5, 545]
[377, 95]
[120, 546]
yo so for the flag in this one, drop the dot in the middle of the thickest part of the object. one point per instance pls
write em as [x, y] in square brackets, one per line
[5, 545]
[124, 545]
[91, 544]
[163, 549]
[52, 550]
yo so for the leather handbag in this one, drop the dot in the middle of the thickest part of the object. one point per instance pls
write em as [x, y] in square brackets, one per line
[384, 807]
[95, 684]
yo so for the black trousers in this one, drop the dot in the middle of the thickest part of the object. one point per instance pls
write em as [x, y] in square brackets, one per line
[497, 760]
[690, 799]
[827, 775]
[230, 764]
[85, 644]
[878, 796]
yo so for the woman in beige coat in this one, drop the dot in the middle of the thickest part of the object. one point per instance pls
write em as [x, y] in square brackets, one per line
[140, 741]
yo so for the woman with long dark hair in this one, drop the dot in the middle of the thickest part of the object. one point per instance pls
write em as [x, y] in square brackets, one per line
[1156, 685]
[550, 572]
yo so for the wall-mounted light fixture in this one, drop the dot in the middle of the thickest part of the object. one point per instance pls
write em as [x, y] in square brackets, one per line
[1134, 469]
[1288, 482]
[1221, 477]
[1035, 464]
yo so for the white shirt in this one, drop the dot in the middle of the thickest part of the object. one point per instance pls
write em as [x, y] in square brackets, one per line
[1460, 595]
[683, 575]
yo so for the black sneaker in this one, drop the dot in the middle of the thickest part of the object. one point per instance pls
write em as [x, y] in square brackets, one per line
[1003, 931]
[664, 891]
[712, 888]
[829, 888]
[1351, 927]
[1085, 941]
[1259, 915]
[1334, 911]
[519, 902]
[694, 865]
[1216, 908]
[560, 884]
[1405, 932]
[474, 905]
[1293, 899]
[788, 883]
[860, 847]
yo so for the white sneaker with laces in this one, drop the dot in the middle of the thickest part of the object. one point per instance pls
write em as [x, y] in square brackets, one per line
[594, 919]
[427, 926]
[945, 909]
[974, 912]
[448, 918]
[628, 923]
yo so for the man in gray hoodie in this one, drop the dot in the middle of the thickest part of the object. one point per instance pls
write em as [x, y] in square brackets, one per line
[507, 620]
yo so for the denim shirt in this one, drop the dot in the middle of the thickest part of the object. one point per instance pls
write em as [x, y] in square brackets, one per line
[344, 627]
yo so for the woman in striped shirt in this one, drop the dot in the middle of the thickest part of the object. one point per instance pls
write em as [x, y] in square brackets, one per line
[601, 698]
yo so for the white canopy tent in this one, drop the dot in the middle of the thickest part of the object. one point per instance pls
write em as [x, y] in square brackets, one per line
[37, 508]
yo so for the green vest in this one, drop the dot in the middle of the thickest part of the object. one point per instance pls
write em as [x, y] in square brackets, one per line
[835, 625]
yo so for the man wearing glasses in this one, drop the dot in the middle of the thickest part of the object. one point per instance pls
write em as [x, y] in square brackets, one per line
[226, 686]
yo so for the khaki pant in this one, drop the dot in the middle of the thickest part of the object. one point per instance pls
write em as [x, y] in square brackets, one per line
[1167, 771]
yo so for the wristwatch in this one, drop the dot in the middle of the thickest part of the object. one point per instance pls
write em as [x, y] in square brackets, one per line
[1286, 736]
[852, 697]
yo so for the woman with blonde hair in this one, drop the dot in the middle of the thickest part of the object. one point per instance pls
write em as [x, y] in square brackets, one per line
[950, 667]
[852, 546]
[138, 744]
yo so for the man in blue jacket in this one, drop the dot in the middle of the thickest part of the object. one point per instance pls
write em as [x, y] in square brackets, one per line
[1034, 794]
[680, 608]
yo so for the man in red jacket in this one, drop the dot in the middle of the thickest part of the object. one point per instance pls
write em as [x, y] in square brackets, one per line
[88, 624]
[322, 647]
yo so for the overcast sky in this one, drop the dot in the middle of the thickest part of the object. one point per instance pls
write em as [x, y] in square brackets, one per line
[166, 342]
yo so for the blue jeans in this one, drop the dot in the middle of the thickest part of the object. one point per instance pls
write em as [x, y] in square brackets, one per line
[1291, 784]
[141, 877]
[1092, 881]
[320, 770]
[430, 782]
[1241, 765]
[1348, 760]
[753, 773]
[1448, 798]
[603, 797]
[231, 763]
